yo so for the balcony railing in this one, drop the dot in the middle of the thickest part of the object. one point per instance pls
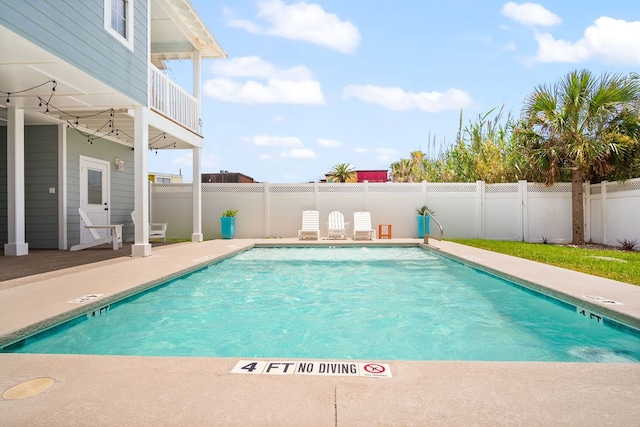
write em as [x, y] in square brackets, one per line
[172, 101]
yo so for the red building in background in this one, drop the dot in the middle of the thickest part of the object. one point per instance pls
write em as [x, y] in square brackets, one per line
[373, 175]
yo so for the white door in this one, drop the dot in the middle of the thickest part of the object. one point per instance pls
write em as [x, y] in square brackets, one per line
[94, 194]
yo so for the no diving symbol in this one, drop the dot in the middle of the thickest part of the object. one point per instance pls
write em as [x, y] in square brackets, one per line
[374, 368]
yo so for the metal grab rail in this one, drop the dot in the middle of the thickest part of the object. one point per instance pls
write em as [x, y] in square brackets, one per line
[424, 224]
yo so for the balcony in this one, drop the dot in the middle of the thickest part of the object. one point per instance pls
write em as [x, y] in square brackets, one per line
[172, 101]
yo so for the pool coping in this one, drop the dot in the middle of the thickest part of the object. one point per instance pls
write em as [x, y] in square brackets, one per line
[572, 287]
[144, 389]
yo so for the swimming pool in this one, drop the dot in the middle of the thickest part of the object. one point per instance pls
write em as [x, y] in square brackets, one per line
[342, 303]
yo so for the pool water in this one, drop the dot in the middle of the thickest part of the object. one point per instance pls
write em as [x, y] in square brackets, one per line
[342, 303]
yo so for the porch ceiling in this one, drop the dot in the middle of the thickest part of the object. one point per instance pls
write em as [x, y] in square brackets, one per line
[77, 96]
[176, 30]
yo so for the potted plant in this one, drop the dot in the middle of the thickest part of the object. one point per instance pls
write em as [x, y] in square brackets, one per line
[423, 226]
[228, 223]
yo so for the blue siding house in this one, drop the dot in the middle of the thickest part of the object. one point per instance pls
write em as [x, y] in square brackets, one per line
[83, 96]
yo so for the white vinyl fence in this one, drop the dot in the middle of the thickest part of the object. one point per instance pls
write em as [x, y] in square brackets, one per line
[516, 211]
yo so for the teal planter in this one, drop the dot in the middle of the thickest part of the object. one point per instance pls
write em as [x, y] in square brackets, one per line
[421, 226]
[228, 226]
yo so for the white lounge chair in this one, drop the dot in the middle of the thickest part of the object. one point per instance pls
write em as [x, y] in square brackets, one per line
[157, 230]
[362, 226]
[114, 233]
[336, 227]
[310, 225]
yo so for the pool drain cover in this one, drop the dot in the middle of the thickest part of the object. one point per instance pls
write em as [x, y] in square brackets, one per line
[28, 388]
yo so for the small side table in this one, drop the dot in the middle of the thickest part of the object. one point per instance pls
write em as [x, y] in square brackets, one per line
[384, 231]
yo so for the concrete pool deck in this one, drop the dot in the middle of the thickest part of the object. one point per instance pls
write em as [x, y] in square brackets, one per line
[107, 390]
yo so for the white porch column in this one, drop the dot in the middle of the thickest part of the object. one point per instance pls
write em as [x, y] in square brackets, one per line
[197, 197]
[141, 246]
[197, 84]
[16, 245]
[62, 186]
[197, 236]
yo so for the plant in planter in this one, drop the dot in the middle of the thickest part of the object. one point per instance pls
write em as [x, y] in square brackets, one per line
[422, 227]
[228, 223]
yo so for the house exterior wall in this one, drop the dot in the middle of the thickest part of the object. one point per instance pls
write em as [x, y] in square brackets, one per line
[121, 182]
[4, 234]
[74, 31]
[41, 174]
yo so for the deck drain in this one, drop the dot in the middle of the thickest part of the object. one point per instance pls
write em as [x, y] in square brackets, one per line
[84, 298]
[28, 388]
[603, 300]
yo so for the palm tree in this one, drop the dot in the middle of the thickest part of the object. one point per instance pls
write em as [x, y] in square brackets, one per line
[342, 171]
[575, 127]
[401, 171]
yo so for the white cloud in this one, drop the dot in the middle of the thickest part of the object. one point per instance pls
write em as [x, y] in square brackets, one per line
[329, 143]
[274, 91]
[299, 153]
[303, 21]
[254, 66]
[270, 84]
[274, 141]
[510, 47]
[386, 154]
[610, 40]
[530, 14]
[395, 98]
[361, 150]
[246, 25]
[264, 156]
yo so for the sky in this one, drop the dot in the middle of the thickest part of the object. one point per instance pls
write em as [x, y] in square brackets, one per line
[310, 84]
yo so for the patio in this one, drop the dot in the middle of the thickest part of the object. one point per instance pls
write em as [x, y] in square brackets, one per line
[50, 261]
[202, 391]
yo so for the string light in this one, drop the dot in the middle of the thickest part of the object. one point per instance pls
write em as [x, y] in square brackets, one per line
[53, 89]
[75, 123]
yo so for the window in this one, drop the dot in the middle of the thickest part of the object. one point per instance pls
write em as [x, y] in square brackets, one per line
[163, 180]
[119, 17]
[94, 187]
[118, 20]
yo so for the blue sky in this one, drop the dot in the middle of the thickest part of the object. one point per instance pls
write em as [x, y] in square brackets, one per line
[311, 84]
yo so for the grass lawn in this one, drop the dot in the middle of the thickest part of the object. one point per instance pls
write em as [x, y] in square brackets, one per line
[623, 266]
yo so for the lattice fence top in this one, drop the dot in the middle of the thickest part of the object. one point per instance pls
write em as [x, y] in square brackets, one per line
[232, 188]
[341, 188]
[501, 188]
[171, 188]
[402, 188]
[389, 188]
[630, 185]
[562, 187]
[291, 188]
[452, 187]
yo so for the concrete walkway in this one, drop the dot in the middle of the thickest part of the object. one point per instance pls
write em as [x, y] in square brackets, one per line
[138, 391]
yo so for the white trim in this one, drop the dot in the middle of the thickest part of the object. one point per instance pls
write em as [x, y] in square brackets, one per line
[128, 40]
[99, 214]
[62, 187]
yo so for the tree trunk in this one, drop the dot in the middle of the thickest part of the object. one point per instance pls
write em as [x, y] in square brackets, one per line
[577, 207]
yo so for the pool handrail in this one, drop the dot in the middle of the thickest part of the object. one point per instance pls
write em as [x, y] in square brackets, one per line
[424, 223]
